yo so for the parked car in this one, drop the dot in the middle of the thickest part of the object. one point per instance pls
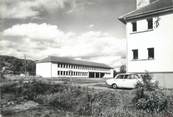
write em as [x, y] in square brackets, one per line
[125, 80]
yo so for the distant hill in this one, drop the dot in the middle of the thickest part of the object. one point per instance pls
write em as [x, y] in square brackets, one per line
[16, 65]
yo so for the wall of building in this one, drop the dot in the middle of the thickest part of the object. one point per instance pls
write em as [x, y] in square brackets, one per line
[69, 70]
[80, 71]
[165, 79]
[43, 69]
[160, 38]
[54, 70]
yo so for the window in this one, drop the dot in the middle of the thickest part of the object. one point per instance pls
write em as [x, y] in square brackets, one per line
[150, 23]
[134, 76]
[64, 72]
[150, 53]
[126, 76]
[135, 54]
[58, 72]
[134, 26]
[120, 77]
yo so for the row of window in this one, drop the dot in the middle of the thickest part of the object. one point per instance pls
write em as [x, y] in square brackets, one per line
[149, 22]
[72, 73]
[150, 53]
[61, 65]
[131, 76]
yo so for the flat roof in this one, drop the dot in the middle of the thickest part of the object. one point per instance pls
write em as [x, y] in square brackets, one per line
[55, 59]
[154, 8]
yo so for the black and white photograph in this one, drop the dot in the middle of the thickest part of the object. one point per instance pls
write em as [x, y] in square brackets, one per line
[86, 58]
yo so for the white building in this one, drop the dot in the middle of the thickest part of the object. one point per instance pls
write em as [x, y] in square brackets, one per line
[150, 39]
[66, 67]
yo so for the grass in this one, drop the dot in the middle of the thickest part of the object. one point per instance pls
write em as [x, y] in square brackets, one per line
[41, 111]
[67, 100]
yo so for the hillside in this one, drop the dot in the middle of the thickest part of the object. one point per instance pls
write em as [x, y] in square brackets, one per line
[16, 65]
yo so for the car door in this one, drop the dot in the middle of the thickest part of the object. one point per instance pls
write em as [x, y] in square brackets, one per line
[126, 81]
[132, 81]
[119, 80]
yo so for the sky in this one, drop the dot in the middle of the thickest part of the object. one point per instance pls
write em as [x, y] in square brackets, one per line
[81, 29]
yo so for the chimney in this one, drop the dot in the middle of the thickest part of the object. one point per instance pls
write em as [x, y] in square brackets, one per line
[143, 3]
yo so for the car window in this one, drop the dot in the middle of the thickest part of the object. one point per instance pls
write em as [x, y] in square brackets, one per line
[130, 76]
[120, 77]
[127, 76]
[134, 76]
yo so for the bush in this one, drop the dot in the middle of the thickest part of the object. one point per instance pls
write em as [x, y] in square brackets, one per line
[83, 101]
[148, 83]
[74, 99]
[104, 100]
[154, 101]
[149, 97]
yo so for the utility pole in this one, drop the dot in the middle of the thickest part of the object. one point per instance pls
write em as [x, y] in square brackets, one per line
[25, 64]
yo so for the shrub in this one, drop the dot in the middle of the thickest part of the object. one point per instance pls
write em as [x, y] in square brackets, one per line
[148, 83]
[83, 101]
[75, 99]
[148, 96]
[104, 100]
[153, 101]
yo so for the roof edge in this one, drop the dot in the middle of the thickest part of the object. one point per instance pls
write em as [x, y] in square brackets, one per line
[49, 59]
[154, 12]
[124, 19]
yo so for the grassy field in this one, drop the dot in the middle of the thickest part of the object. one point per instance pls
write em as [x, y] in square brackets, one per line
[77, 97]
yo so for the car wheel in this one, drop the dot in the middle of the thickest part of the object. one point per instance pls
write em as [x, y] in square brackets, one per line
[114, 86]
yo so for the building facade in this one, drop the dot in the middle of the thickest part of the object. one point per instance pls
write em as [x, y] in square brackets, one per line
[66, 67]
[150, 39]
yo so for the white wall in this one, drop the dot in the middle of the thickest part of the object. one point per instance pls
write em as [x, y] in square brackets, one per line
[50, 70]
[54, 70]
[160, 38]
[165, 79]
[43, 69]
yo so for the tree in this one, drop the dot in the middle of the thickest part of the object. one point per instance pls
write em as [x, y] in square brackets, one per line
[5, 68]
[16, 65]
[2, 72]
[123, 69]
[114, 73]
